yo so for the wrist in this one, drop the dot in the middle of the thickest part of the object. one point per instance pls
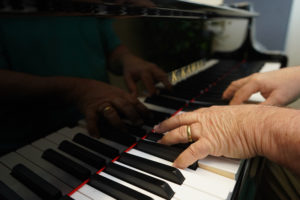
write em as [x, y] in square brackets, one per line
[281, 138]
[67, 89]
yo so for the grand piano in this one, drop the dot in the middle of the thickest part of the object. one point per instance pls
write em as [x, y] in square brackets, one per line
[69, 164]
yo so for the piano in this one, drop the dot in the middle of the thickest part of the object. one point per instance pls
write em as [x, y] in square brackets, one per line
[69, 164]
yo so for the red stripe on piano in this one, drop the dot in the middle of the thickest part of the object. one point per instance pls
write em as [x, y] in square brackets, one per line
[80, 186]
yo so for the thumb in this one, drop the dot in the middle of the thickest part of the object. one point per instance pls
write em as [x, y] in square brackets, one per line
[272, 100]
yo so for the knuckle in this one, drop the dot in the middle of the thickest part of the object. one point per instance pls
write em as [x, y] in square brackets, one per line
[182, 132]
[181, 118]
[255, 77]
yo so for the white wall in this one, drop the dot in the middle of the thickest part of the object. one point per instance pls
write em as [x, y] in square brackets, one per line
[292, 47]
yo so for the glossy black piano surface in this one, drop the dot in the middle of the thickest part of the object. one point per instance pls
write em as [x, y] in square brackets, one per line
[68, 164]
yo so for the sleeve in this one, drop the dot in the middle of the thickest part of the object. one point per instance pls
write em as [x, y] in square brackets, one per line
[108, 36]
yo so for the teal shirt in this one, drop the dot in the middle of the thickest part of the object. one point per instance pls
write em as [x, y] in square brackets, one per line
[51, 46]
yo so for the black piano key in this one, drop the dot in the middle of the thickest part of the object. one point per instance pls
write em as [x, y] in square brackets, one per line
[96, 145]
[165, 102]
[135, 130]
[82, 154]
[8, 194]
[138, 179]
[156, 118]
[154, 136]
[161, 151]
[164, 171]
[115, 189]
[66, 164]
[158, 150]
[119, 137]
[66, 197]
[40, 186]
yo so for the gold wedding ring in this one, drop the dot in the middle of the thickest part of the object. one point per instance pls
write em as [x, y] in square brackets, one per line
[189, 133]
[106, 108]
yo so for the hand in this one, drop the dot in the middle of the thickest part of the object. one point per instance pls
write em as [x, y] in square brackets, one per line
[277, 87]
[231, 131]
[138, 69]
[100, 100]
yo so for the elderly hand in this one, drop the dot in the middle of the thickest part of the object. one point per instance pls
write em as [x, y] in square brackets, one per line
[136, 69]
[100, 100]
[232, 131]
[278, 87]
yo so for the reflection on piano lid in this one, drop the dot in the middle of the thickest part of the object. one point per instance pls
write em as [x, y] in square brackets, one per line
[110, 8]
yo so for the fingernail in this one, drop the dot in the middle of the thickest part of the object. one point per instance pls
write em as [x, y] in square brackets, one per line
[156, 127]
[159, 141]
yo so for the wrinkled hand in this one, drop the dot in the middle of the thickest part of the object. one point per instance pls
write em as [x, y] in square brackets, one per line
[277, 87]
[136, 69]
[231, 131]
[100, 100]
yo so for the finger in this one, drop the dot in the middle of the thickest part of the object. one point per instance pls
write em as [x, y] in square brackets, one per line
[178, 135]
[177, 121]
[160, 75]
[131, 84]
[148, 82]
[92, 123]
[127, 109]
[194, 152]
[244, 93]
[233, 87]
[111, 115]
[141, 108]
[272, 100]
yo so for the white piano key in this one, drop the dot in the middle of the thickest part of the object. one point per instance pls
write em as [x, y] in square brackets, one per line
[30, 153]
[79, 196]
[181, 191]
[70, 133]
[200, 179]
[93, 193]
[269, 66]
[58, 138]
[44, 144]
[34, 155]
[155, 197]
[220, 165]
[15, 185]
[12, 159]
[82, 123]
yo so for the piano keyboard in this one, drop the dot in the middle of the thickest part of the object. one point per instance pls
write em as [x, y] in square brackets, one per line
[48, 159]
[69, 164]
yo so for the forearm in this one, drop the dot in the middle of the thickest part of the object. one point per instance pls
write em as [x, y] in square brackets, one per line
[279, 137]
[18, 87]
